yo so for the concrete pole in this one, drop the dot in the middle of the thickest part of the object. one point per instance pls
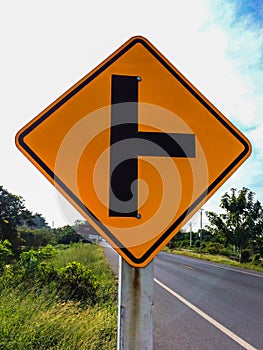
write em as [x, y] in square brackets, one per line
[135, 323]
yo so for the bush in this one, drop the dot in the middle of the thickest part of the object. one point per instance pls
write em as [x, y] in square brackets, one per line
[33, 257]
[48, 302]
[46, 273]
[245, 256]
[89, 282]
[47, 252]
[33, 265]
[227, 252]
[214, 248]
[204, 246]
[184, 243]
[256, 259]
[77, 283]
[5, 254]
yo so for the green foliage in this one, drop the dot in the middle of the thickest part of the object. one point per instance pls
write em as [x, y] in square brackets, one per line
[55, 302]
[11, 208]
[220, 259]
[5, 254]
[26, 230]
[214, 248]
[242, 222]
[230, 253]
[67, 235]
[237, 233]
[203, 246]
[47, 252]
[76, 282]
[197, 243]
[33, 269]
[36, 238]
[19, 225]
[66, 271]
[31, 323]
[12, 212]
[33, 257]
[207, 236]
[257, 241]
[182, 240]
[93, 257]
[245, 256]
[39, 221]
[257, 260]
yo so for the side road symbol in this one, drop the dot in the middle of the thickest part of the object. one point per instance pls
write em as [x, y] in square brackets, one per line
[134, 139]
[127, 143]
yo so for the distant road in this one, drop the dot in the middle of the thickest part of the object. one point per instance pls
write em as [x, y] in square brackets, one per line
[204, 306]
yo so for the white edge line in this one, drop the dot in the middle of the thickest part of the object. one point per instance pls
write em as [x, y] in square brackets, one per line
[236, 270]
[218, 325]
[203, 261]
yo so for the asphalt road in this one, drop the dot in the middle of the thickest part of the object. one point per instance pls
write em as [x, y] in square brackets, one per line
[231, 297]
[204, 306]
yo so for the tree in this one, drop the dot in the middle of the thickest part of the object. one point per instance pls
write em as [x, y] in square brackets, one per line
[240, 222]
[67, 235]
[174, 242]
[11, 211]
[16, 221]
[39, 221]
[26, 219]
[257, 241]
[257, 237]
[37, 237]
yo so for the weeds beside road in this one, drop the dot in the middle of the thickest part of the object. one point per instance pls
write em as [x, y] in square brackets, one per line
[63, 299]
[215, 258]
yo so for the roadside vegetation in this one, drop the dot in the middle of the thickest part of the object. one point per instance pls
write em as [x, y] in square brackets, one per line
[216, 258]
[56, 290]
[26, 230]
[57, 298]
[234, 237]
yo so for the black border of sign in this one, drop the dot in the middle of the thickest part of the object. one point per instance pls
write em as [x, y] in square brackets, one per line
[210, 188]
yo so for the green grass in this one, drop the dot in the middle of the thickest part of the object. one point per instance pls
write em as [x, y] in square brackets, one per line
[215, 258]
[30, 319]
[91, 256]
[87, 254]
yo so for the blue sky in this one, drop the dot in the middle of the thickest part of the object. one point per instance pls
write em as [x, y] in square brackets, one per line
[47, 46]
[248, 10]
[246, 47]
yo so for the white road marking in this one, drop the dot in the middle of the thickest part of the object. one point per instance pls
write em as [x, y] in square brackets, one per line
[220, 266]
[218, 325]
[235, 270]
[187, 267]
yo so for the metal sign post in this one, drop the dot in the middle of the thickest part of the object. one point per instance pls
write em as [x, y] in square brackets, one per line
[135, 322]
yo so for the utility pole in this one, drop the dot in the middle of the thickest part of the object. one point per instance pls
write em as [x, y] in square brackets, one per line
[201, 229]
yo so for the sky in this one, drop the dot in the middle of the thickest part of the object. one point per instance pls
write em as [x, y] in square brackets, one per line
[47, 46]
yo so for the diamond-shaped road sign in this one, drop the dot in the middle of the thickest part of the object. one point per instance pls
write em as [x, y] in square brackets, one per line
[136, 148]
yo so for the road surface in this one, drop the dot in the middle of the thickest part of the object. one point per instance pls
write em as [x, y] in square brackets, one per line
[204, 306]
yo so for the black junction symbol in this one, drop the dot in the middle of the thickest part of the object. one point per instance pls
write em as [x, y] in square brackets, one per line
[127, 143]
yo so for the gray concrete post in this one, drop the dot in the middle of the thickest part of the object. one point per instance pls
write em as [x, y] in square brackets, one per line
[135, 323]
